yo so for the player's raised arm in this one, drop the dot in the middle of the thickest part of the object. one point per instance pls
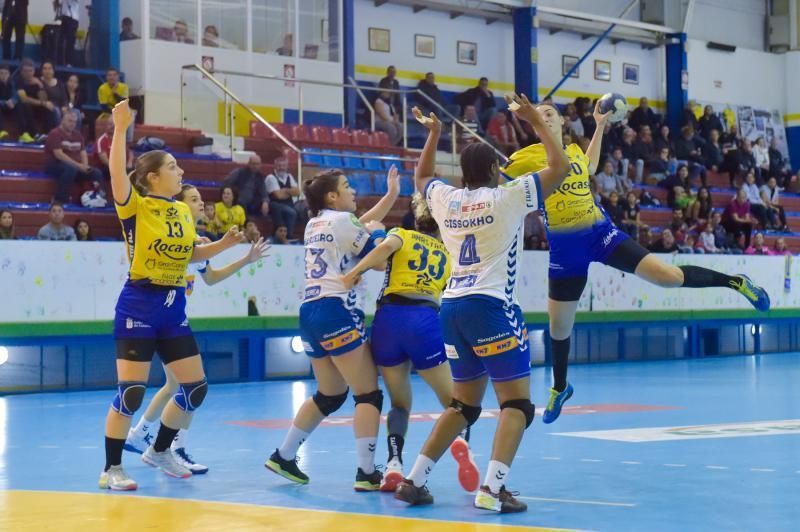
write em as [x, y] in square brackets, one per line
[596, 145]
[557, 161]
[426, 166]
[120, 182]
[385, 204]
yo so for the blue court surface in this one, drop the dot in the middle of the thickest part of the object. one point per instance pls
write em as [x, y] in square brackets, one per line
[709, 444]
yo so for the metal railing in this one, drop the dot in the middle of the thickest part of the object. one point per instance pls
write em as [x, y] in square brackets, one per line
[229, 99]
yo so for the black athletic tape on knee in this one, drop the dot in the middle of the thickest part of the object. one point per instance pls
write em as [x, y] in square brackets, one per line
[470, 413]
[129, 397]
[191, 395]
[525, 406]
[374, 398]
[328, 404]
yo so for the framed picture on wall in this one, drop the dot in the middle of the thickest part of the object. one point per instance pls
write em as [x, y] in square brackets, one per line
[467, 53]
[424, 45]
[630, 73]
[567, 62]
[379, 40]
[602, 70]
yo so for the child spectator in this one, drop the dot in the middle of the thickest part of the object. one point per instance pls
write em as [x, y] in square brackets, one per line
[251, 231]
[6, 225]
[780, 247]
[280, 237]
[631, 222]
[666, 244]
[209, 225]
[55, 229]
[83, 232]
[688, 245]
[614, 209]
[721, 240]
[758, 247]
[229, 213]
[707, 240]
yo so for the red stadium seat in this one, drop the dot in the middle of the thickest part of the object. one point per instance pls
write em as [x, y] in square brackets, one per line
[341, 136]
[298, 132]
[321, 134]
[361, 137]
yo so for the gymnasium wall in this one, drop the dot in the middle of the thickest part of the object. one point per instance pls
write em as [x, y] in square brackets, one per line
[68, 281]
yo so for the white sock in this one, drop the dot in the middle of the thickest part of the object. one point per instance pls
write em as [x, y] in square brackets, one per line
[143, 426]
[365, 453]
[180, 440]
[422, 468]
[496, 475]
[294, 439]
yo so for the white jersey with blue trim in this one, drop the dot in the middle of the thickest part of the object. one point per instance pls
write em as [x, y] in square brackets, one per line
[482, 231]
[334, 241]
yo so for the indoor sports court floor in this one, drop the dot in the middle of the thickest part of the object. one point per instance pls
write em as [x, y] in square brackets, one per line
[678, 445]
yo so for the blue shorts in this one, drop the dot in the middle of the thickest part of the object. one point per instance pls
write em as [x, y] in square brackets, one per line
[571, 253]
[407, 332]
[327, 327]
[482, 335]
[150, 319]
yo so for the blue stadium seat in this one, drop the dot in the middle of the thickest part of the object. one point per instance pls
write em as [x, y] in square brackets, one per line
[353, 163]
[373, 164]
[332, 159]
[380, 184]
[406, 186]
[362, 183]
[312, 159]
[387, 164]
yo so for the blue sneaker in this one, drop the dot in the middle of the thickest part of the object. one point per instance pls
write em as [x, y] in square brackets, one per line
[757, 296]
[557, 400]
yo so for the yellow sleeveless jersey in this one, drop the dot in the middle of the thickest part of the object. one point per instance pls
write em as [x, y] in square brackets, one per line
[420, 268]
[160, 235]
[571, 207]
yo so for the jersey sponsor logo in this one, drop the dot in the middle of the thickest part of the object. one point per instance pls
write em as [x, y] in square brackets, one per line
[321, 237]
[466, 224]
[156, 212]
[342, 340]
[476, 206]
[355, 221]
[312, 291]
[575, 188]
[529, 195]
[170, 299]
[131, 323]
[150, 264]
[450, 352]
[321, 223]
[465, 281]
[497, 347]
[610, 237]
[172, 213]
[171, 251]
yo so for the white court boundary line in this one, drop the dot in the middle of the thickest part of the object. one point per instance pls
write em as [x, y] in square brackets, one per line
[579, 501]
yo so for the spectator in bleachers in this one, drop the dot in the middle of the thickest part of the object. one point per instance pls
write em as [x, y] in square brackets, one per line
[707, 240]
[15, 19]
[761, 156]
[428, 86]
[757, 207]
[687, 148]
[8, 101]
[6, 225]
[55, 90]
[181, 32]
[36, 113]
[585, 109]
[688, 245]
[251, 231]
[688, 117]
[280, 237]
[683, 201]
[208, 226]
[758, 247]
[534, 234]
[389, 81]
[211, 36]
[482, 98]
[501, 133]
[632, 221]
[111, 92]
[228, 211]
[770, 195]
[730, 140]
[614, 209]
[470, 119]
[645, 152]
[102, 151]
[780, 247]
[712, 152]
[525, 132]
[663, 140]
[572, 120]
[282, 189]
[660, 167]
[74, 99]
[619, 163]
[737, 219]
[679, 179]
[709, 122]
[55, 228]
[745, 161]
[779, 167]
[68, 12]
[665, 244]
[287, 48]
[722, 240]
[248, 181]
[678, 224]
[701, 208]
[643, 115]
[83, 233]
[66, 158]
[387, 118]
[127, 33]
[607, 182]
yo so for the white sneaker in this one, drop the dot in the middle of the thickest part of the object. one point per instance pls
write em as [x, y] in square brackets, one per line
[165, 461]
[393, 475]
[137, 442]
[185, 459]
[116, 479]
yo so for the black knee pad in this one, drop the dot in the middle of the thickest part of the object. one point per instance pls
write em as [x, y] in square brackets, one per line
[129, 397]
[470, 413]
[190, 396]
[523, 405]
[374, 398]
[328, 404]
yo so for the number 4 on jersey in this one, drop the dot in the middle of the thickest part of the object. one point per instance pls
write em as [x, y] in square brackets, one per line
[469, 252]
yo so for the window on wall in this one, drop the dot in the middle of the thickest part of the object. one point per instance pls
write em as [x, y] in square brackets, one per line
[130, 14]
[318, 28]
[173, 20]
[274, 27]
[224, 24]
